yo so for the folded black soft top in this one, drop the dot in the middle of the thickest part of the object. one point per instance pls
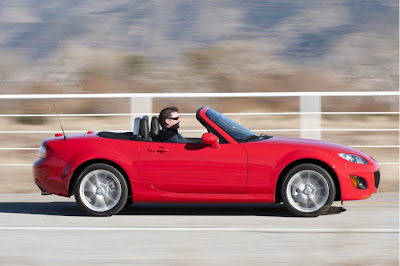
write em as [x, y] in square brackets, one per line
[116, 135]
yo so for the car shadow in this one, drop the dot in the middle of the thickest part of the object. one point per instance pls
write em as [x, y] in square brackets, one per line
[42, 208]
[195, 209]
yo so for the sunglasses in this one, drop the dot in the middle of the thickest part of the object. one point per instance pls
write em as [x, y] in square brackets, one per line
[174, 118]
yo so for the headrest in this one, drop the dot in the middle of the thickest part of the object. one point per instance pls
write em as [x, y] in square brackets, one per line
[154, 128]
[144, 127]
[136, 125]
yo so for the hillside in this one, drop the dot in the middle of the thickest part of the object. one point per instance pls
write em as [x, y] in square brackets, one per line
[65, 44]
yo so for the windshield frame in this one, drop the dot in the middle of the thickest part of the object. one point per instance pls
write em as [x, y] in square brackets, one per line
[235, 130]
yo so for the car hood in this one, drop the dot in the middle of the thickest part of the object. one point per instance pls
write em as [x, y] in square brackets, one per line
[312, 144]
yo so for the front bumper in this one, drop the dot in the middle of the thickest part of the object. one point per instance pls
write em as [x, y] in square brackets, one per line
[370, 173]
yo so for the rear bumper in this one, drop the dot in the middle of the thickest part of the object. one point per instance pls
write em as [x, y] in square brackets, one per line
[42, 191]
[47, 176]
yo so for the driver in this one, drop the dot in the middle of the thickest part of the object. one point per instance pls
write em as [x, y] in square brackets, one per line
[169, 121]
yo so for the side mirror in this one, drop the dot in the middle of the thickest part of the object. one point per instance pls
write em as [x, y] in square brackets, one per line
[211, 140]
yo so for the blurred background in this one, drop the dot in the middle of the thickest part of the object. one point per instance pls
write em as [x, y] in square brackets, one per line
[61, 47]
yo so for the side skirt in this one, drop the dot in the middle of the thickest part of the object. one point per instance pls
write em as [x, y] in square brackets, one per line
[162, 196]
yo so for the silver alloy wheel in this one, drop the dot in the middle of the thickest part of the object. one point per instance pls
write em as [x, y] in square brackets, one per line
[307, 191]
[100, 190]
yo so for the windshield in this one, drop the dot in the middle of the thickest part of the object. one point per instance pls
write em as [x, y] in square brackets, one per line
[235, 130]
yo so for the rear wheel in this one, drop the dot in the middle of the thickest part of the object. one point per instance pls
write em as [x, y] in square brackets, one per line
[308, 190]
[101, 190]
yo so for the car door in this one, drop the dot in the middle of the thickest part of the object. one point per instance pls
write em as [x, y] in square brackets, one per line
[194, 167]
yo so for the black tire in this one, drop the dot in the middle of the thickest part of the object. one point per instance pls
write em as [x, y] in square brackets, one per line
[101, 190]
[308, 190]
[129, 202]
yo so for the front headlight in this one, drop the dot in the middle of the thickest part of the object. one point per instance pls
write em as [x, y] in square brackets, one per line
[353, 158]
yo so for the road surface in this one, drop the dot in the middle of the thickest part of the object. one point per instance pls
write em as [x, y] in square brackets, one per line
[51, 230]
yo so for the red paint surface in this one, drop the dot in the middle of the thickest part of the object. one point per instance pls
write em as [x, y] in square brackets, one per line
[176, 172]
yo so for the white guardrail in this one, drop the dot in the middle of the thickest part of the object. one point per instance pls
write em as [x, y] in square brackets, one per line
[141, 104]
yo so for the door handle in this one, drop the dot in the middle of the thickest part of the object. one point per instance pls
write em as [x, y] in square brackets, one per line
[161, 149]
[158, 149]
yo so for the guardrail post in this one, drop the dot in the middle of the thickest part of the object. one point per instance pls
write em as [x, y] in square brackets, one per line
[141, 105]
[310, 121]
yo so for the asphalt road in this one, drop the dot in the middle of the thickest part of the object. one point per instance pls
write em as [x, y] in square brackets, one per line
[50, 230]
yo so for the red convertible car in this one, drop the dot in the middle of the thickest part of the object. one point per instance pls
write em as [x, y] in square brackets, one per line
[107, 171]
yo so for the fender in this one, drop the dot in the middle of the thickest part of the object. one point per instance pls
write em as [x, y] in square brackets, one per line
[302, 154]
[264, 172]
[129, 165]
[305, 154]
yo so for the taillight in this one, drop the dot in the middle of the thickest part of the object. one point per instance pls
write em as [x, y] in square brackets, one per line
[45, 152]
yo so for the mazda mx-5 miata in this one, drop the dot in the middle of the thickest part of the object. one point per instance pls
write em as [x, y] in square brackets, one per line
[107, 171]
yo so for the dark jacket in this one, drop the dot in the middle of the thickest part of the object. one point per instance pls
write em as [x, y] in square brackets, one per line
[171, 135]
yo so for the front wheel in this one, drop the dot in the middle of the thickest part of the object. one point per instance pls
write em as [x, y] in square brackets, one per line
[101, 190]
[308, 190]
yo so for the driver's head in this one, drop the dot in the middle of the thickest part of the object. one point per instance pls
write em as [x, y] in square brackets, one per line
[169, 117]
